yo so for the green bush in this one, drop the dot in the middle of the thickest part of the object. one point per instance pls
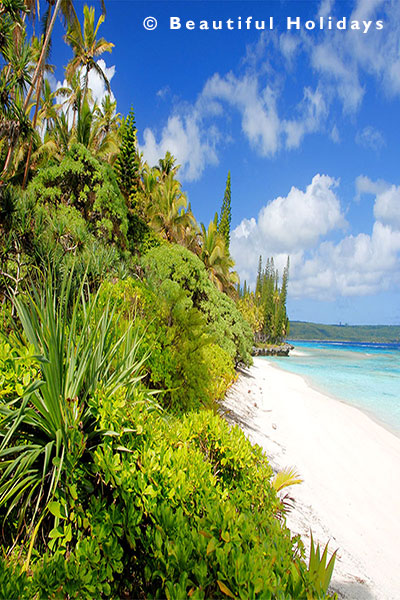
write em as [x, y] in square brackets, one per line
[82, 181]
[18, 368]
[47, 432]
[183, 364]
[183, 508]
[225, 322]
[220, 368]
[200, 514]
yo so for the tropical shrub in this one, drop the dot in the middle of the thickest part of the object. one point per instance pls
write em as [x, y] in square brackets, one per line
[184, 507]
[48, 431]
[82, 181]
[183, 365]
[225, 323]
[220, 368]
[18, 368]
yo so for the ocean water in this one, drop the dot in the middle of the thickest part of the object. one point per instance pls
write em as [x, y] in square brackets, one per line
[364, 375]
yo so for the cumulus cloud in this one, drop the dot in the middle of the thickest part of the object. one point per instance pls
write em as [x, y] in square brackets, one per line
[298, 220]
[190, 144]
[356, 266]
[387, 207]
[288, 225]
[96, 83]
[297, 225]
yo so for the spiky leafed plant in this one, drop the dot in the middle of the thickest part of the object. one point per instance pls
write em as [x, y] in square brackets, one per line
[320, 571]
[49, 432]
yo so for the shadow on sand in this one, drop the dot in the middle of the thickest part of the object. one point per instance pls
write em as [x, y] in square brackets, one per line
[351, 590]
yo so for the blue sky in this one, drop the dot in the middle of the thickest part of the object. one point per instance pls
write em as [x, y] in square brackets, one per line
[307, 121]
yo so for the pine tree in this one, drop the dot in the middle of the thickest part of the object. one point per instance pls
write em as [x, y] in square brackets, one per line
[259, 280]
[127, 164]
[224, 225]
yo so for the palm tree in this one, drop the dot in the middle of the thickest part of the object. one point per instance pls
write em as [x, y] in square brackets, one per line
[48, 109]
[95, 128]
[216, 258]
[72, 93]
[14, 80]
[107, 121]
[36, 46]
[67, 10]
[169, 214]
[86, 47]
[166, 166]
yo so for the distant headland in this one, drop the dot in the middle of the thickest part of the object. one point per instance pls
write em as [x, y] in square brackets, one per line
[301, 330]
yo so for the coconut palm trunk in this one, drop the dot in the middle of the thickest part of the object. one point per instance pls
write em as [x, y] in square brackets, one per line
[39, 65]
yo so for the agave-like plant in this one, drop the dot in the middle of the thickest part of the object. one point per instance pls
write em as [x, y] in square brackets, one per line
[320, 571]
[49, 432]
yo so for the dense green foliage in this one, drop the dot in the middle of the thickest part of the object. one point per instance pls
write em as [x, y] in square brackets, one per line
[120, 332]
[83, 182]
[300, 330]
[183, 363]
[186, 509]
[47, 427]
[224, 320]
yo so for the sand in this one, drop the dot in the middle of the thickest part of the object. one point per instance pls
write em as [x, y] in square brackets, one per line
[350, 466]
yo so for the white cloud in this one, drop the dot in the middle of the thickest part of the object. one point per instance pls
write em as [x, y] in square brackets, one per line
[335, 64]
[96, 83]
[365, 185]
[287, 225]
[163, 92]
[325, 8]
[288, 44]
[312, 109]
[357, 265]
[387, 207]
[297, 224]
[297, 221]
[260, 121]
[342, 62]
[343, 58]
[335, 136]
[369, 137]
[183, 136]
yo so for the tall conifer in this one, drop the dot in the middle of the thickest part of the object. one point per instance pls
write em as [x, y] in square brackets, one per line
[224, 225]
[127, 164]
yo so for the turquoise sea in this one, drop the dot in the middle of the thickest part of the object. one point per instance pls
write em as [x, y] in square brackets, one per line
[364, 375]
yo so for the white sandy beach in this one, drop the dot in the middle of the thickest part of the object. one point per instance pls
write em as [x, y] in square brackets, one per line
[350, 465]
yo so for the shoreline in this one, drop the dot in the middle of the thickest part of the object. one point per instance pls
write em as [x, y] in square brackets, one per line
[348, 463]
[320, 389]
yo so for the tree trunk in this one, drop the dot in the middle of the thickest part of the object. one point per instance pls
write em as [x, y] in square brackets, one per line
[42, 54]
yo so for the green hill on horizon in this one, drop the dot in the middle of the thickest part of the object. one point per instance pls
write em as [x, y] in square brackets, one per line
[301, 330]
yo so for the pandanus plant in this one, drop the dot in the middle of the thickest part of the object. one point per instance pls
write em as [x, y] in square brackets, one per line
[50, 431]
